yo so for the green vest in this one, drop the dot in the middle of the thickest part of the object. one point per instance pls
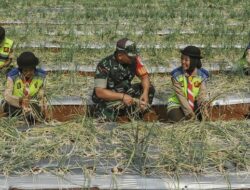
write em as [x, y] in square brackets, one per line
[5, 50]
[34, 86]
[179, 76]
[196, 82]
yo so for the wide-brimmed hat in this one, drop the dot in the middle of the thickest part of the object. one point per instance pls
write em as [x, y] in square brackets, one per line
[127, 46]
[192, 51]
[27, 60]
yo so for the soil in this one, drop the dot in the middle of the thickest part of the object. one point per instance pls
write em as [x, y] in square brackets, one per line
[229, 112]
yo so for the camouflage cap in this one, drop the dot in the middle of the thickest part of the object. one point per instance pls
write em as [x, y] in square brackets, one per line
[127, 46]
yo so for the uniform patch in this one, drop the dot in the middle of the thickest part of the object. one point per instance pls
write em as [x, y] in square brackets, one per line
[190, 78]
[197, 84]
[182, 84]
[18, 86]
[6, 49]
[141, 71]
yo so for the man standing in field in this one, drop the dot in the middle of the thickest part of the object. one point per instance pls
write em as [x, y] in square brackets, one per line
[6, 51]
[114, 94]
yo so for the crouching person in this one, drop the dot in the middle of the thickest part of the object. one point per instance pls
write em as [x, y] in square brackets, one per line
[24, 93]
[189, 85]
[114, 94]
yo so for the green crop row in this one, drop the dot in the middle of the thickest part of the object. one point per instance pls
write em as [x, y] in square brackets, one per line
[134, 12]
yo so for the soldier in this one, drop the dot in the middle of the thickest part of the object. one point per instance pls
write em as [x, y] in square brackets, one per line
[113, 92]
[6, 51]
[24, 92]
[189, 85]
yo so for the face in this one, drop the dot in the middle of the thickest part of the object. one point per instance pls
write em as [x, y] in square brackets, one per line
[185, 62]
[124, 58]
[248, 56]
[28, 72]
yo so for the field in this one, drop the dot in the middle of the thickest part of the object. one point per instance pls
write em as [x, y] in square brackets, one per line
[88, 32]
[82, 32]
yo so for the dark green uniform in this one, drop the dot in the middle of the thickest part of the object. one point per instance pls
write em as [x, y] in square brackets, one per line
[117, 77]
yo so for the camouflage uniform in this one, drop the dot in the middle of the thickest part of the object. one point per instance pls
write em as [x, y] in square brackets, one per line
[112, 75]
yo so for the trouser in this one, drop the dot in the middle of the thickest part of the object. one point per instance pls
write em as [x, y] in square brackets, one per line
[31, 117]
[176, 114]
[110, 110]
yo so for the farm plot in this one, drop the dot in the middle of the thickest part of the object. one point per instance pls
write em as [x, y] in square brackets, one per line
[160, 28]
[82, 33]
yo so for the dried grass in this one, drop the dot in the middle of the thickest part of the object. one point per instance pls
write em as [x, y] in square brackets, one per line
[136, 147]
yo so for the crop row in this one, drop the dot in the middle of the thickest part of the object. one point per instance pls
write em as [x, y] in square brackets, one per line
[55, 56]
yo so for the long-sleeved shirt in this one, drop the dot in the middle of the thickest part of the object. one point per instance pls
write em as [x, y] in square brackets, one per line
[183, 99]
[15, 100]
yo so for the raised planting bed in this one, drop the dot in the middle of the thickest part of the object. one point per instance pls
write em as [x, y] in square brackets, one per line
[229, 107]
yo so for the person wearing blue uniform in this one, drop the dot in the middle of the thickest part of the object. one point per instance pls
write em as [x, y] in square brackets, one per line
[24, 93]
[189, 99]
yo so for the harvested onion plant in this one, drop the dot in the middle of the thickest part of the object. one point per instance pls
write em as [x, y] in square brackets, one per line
[136, 147]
